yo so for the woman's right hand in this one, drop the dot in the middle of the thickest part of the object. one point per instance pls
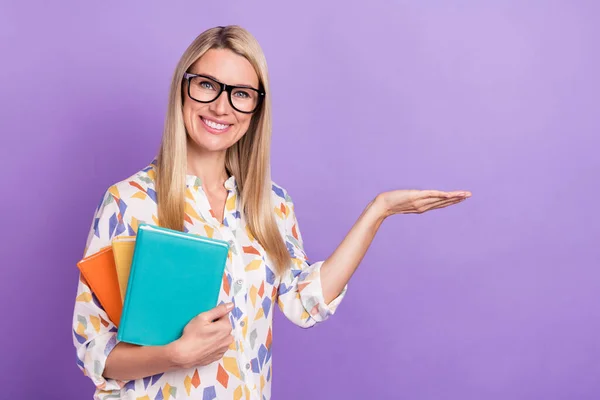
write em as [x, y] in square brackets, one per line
[205, 338]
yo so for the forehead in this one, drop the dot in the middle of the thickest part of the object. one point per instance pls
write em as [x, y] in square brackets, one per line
[227, 66]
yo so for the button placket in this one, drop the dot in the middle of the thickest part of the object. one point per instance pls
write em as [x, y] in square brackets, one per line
[202, 205]
[228, 233]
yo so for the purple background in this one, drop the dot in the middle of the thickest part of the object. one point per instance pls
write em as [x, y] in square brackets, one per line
[496, 298]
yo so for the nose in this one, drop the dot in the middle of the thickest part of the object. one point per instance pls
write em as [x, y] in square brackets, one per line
[221, 105]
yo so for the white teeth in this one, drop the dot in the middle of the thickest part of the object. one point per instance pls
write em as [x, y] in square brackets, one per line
[214, 125]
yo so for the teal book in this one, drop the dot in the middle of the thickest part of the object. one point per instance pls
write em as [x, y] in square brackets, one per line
[174, 276]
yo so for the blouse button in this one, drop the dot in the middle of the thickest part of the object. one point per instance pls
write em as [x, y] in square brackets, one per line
[248, 366]
[242, 324]
[239, 282]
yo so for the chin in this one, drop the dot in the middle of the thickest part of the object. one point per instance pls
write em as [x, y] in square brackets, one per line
[205, 141]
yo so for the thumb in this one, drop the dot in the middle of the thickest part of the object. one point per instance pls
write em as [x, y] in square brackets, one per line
[217, 312]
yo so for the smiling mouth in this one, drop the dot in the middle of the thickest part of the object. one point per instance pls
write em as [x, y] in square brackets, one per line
[215, 126]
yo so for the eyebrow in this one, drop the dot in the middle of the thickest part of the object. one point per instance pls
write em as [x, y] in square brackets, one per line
[215, 79]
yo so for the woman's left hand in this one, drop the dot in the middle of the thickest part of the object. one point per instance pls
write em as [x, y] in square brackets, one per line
[418, 201]
[340, 266]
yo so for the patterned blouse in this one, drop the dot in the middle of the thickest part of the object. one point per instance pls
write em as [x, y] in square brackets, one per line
[249, 281]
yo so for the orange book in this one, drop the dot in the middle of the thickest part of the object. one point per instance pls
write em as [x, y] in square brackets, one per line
[100, 274]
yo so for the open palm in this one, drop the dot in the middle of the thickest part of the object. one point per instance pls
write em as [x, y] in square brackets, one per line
[420, 201]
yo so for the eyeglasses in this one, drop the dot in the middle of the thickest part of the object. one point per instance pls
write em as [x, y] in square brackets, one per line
[205, 89]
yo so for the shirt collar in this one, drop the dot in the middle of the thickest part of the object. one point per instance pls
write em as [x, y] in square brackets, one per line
[194, 181]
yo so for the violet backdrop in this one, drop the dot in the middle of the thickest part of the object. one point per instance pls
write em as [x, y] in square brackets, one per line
[496, 298]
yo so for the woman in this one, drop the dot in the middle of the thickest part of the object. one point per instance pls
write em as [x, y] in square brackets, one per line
[212, 178]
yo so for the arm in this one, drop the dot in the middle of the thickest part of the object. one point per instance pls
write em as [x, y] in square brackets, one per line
[94, 335]
[205, 339]
[338, 268]
[300, 291]
[130, 362]
[107, 362]
[317, 289]
[110, 363]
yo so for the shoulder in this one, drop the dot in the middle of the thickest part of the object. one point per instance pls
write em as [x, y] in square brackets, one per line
[279, 194]
[139, 185]
[109, 220]
[282, 203]
[139, 188]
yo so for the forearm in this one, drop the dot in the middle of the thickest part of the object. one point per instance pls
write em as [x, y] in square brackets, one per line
[338, 268]
[129, 362]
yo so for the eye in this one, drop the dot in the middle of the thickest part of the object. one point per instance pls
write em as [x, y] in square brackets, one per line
[242, 94]
[206, 85]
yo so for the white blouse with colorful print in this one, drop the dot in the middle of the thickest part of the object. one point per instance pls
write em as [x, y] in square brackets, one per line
[249, 282]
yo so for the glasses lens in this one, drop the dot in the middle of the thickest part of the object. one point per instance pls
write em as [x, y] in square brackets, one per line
[244, 100]
[204, 89]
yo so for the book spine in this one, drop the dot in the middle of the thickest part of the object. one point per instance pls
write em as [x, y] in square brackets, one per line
[122, 332]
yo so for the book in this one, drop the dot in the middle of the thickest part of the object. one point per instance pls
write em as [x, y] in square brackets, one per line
[99, 272]
[123, 247]
[174, 277]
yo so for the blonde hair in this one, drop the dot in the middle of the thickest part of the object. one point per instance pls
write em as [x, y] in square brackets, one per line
[248, 160]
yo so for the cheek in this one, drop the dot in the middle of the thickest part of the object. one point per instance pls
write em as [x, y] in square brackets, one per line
[243, 122]
[190, 116]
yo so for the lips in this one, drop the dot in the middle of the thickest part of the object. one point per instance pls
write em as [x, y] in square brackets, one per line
[215, 126]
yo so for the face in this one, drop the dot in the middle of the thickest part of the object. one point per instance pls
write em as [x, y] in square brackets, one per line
[216, 126]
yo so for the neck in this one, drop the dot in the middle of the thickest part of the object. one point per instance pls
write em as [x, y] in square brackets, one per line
[208, 166]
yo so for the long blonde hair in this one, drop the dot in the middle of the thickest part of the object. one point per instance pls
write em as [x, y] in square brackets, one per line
[248, 160]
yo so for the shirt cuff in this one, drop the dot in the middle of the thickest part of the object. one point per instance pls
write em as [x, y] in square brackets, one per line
[96, 353]
[311, 294]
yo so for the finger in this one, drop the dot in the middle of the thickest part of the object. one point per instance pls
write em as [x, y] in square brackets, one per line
[450, 196]
[446, 195]
[220, 356]
[224, 322]
[220, 327]
[434, 194]
[460, 193]
[423, 205]
[220, 351]
[427, 204]
[227, 342]
[443, 204]
[224, 327]
[213, 358]
[227, 345]
[217, 312]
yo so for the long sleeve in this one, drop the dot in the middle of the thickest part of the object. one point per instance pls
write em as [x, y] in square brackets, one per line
[300, 293]
[94, 335]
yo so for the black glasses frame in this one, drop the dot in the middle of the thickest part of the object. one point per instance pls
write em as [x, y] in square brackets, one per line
[224, 87]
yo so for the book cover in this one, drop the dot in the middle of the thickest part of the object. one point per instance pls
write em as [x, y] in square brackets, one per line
[123, 247]
[174, 276]
[100, 273]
